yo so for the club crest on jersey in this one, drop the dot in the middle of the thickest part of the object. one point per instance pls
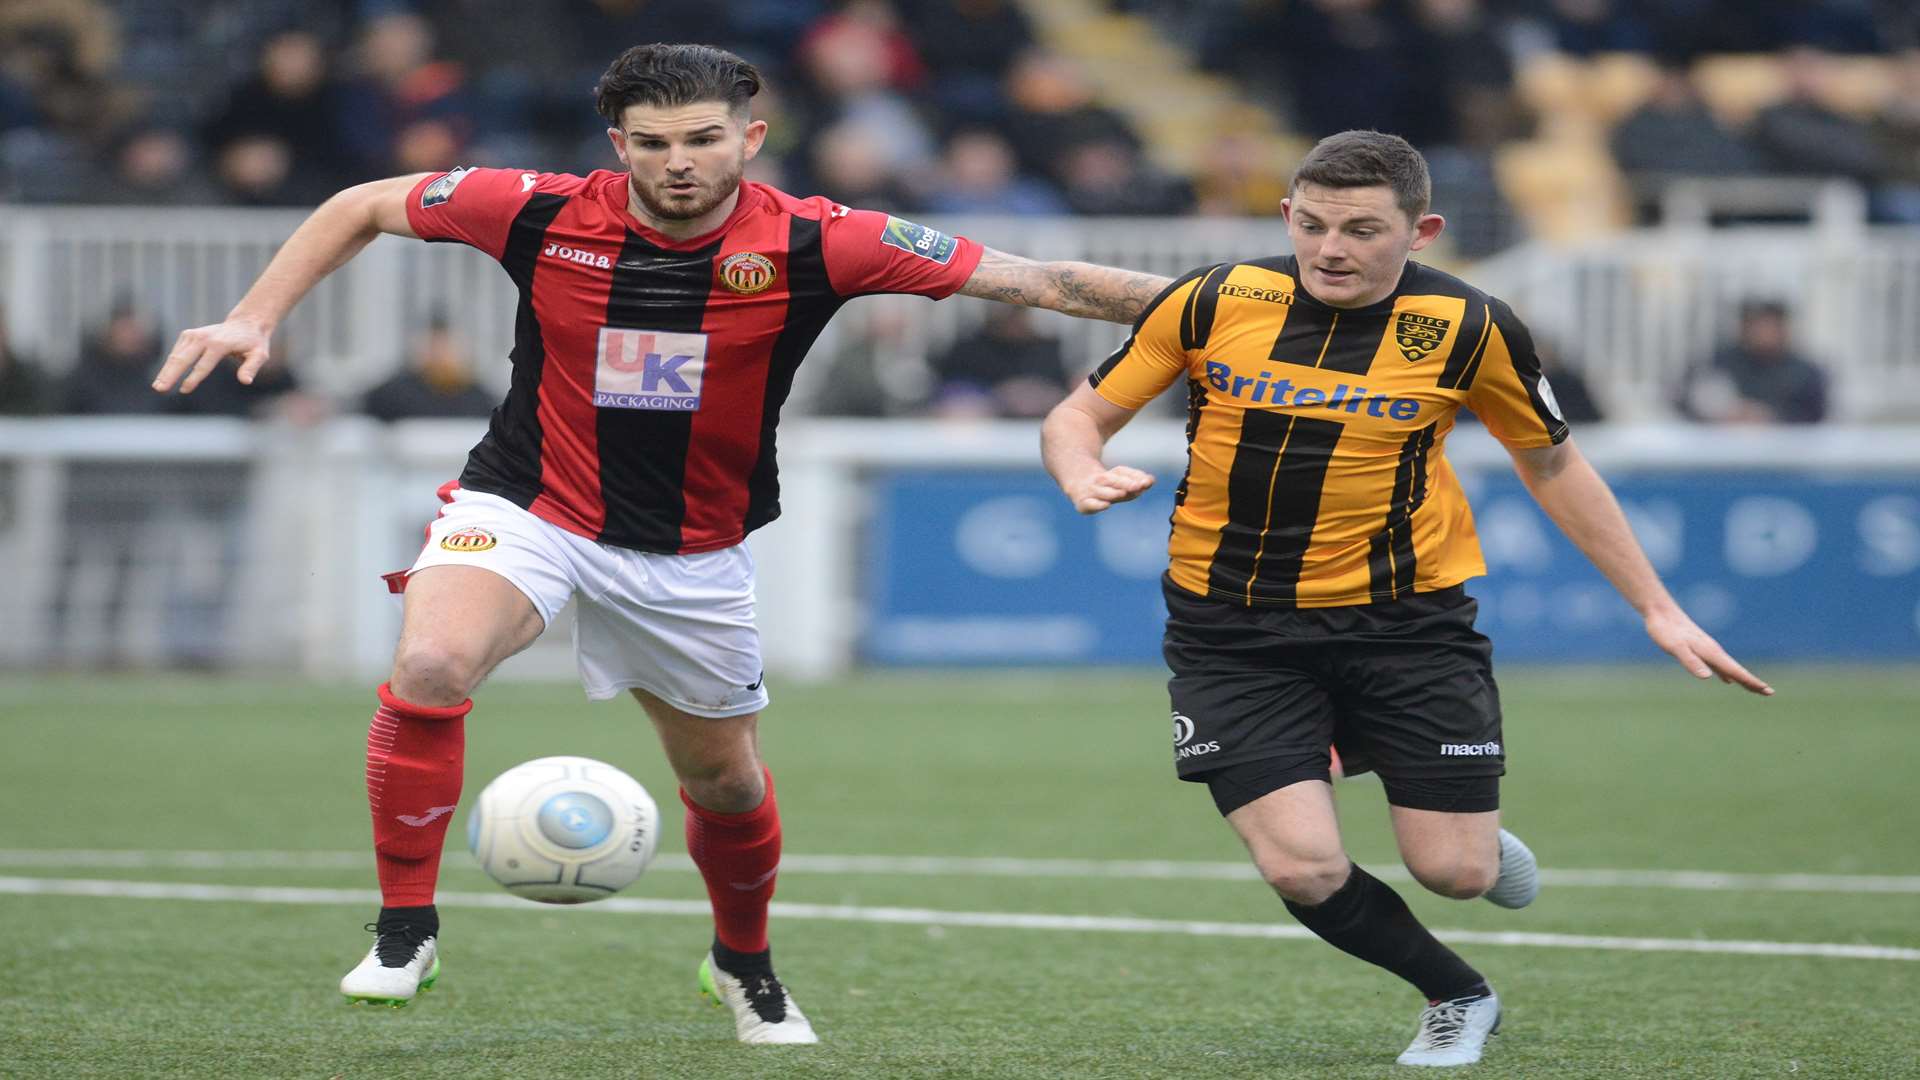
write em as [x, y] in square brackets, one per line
[649, 369]
[442, 189]
[468, 540]
[747, 272]
[1418, 335]
[919, 240]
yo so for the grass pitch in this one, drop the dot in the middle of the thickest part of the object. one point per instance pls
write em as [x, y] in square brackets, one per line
[1611, 769]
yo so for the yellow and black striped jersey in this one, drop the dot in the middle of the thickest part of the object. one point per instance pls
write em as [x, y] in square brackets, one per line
[1315, 476]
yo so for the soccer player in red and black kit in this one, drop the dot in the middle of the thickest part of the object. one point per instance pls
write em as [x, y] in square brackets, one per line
[663, 311]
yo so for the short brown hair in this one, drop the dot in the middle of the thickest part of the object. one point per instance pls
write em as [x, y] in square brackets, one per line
[674, 75]
[1354, 159]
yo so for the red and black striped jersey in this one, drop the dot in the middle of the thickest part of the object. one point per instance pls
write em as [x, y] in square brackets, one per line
[648, 373]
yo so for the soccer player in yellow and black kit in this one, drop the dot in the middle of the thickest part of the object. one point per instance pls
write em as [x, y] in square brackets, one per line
[1320, 542]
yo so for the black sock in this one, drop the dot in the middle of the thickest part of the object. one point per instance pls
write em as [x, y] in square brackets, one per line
[743, 963]
[402, 929]
[424, 920]
[1365, 918]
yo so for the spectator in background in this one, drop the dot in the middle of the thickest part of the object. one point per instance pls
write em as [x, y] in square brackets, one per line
[257, 170]
[1802, 136]
[287, 103]
[859, 67]
[114, 372]
[868, 30]
[63, 53]
[438, 381]
[152, 166]
[1588, 27]
[1465, 75]
[1109, 176]
[1896, 129]
[1673, 134]
[274, 394]
[852, 162]
[25, 389]
[969, 46]
[1349, 64]
[1757, 378]
[114, 376]
[979, 175]
[1239, 175]
[404, 107]
[1053, 108]
[1005, 367]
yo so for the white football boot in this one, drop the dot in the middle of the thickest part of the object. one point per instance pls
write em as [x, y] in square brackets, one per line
[1519, 880]
[763, 1011]
[1454, 1032]
[399, 966]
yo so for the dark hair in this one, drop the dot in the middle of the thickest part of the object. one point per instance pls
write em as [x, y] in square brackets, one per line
[674, 75]
[1354, 159]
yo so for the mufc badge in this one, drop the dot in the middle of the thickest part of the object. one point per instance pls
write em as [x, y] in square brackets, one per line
[1418, 335]
[747, 272]
[468, 540]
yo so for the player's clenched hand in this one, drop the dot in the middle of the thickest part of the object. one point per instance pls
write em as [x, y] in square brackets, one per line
[202, 348]
[1122, 483]
[1698, 652]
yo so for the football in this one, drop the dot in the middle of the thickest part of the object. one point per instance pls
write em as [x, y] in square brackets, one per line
[564, 830]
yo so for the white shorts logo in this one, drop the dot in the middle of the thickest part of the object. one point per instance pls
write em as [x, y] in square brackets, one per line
[1182, 729]
[649, 369]
[1184, 746]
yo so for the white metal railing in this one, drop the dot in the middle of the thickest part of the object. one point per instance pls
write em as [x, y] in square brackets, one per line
[152, 541]
[1632, 310]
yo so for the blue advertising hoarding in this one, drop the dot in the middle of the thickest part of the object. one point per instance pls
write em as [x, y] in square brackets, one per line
[994, 567]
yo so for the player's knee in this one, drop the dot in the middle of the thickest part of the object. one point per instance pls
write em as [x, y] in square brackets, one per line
[725, 787]
[1457, 878]
[432, 672]
[1305, 881]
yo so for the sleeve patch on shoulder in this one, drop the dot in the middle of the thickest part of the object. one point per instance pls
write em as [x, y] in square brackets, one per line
[919, 240]
[442, 189]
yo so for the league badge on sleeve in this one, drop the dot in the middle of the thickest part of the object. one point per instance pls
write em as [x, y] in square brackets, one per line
[442, 189]
[920, 240]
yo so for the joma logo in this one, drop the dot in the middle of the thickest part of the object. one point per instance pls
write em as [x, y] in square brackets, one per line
[584, 258]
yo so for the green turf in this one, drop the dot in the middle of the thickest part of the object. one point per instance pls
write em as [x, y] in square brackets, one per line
[1620, 768]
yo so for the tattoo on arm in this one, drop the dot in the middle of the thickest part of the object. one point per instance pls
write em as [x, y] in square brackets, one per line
[1074, 288]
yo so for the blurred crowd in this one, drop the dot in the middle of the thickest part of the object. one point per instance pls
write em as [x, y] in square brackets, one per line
[930, 107]
[926, 106]
[919, 105]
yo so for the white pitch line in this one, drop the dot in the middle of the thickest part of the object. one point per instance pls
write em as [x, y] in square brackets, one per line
[897, 916]
[962, 866]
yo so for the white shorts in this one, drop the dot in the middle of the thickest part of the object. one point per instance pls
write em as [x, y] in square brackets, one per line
[677, 626]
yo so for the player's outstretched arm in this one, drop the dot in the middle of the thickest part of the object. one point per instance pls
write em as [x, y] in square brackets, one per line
[323, 243]
[1566, 486]
[1071, 439]
[1075, 288]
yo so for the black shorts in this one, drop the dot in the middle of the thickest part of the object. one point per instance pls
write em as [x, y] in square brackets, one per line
[1402, 687]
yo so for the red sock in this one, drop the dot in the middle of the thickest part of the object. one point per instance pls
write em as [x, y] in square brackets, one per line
[738, 855]
[414, 759]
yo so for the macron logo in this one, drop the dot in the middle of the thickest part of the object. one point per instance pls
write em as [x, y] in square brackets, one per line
[433, 814]
[1486, 749]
